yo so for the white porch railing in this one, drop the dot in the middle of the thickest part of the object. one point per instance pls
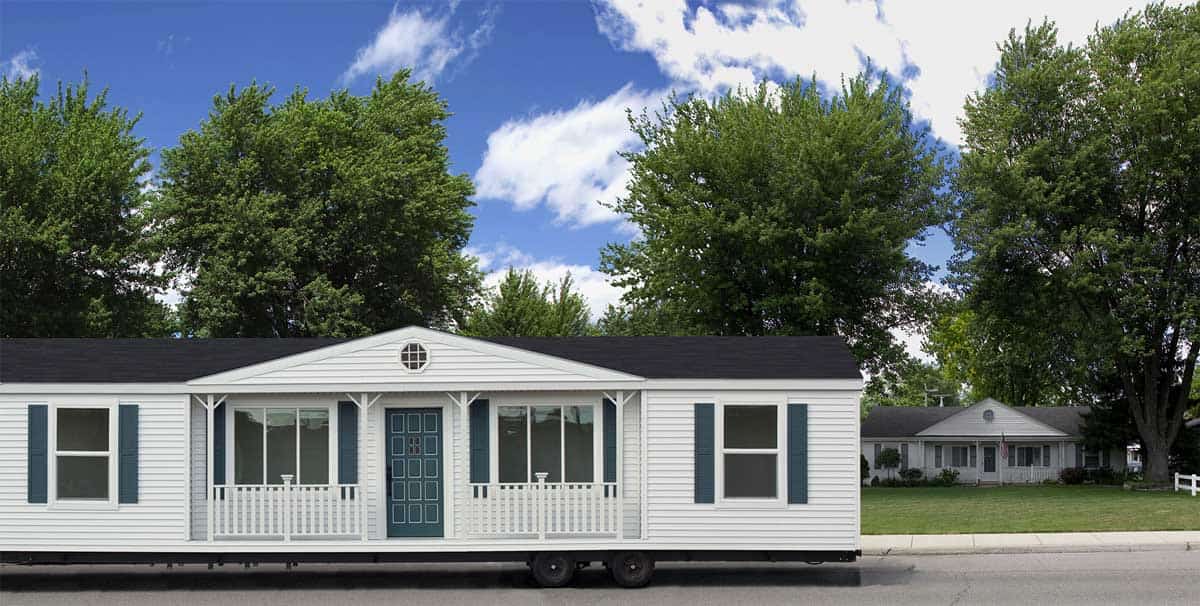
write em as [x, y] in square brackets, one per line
[1193, 483]
[1029, 475]
[543, 509]
[287, 510]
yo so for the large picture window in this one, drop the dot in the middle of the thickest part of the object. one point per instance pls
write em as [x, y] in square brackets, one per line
[750, 451]
[271, 442]
[1033, 456]
[82, 454]
[558, 440]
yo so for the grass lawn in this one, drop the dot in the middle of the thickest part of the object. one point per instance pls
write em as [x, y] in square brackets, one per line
[1024, 509]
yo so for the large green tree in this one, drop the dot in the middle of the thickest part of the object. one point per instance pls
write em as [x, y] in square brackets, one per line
[911, 382]
[1080, 206]
[521, 306]
[71, 223]
[782, 212]
[335, 217]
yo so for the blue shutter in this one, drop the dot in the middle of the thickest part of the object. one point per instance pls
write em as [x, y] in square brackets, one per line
[347, 443]
[480, 434]
[705, 453]
[219, 445]
[610, 441]
[127, 453]
[797, 445]
[39, 453]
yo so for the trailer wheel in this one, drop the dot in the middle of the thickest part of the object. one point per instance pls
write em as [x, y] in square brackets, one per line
[552, 569]
[631, 569]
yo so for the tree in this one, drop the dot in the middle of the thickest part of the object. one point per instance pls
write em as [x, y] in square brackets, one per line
[782, 213]
[334, 217]
[911, 382]
[520, 306]
[71, 202]
[1080, 206]
[638, 320]
[889, 459]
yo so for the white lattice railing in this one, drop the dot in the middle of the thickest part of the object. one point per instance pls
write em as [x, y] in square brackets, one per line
[286, 510]
[543, 509]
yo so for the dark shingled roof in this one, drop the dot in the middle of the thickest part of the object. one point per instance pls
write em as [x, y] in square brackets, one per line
[906, 421]
[703, 357]
[137, 360]
[178, 360]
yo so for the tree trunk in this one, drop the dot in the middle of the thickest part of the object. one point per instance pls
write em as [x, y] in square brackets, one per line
[1157, 456]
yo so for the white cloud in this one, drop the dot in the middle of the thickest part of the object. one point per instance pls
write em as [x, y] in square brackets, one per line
[421, 41]
[591, 283]
[952, 43]
[20, 65]
[565, 159]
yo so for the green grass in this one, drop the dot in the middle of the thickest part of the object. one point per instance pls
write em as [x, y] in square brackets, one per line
[961, 510]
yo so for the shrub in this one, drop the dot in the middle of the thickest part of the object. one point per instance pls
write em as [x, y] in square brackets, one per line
[1104, 475]
[911, 474]
[866, 467]
[946, 477]
[1071, 475]
[889, 459]
[875, 481]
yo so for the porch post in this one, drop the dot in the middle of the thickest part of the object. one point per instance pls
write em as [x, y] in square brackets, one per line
[978, 455]
[620, 488]
[208, 465]
[643, 498]
[363, 410]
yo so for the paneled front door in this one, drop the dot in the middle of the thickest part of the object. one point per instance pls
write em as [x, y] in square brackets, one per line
[414, 471]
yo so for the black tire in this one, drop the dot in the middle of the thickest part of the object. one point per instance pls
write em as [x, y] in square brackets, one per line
[552, 569]
[631, 569]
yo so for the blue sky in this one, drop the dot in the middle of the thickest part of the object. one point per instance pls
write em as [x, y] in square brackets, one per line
[538, 89]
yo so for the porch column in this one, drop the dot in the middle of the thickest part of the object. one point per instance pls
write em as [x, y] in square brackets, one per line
[208, 466]
[364, 403]
[620, 488]
[463, 401]
[978, 455]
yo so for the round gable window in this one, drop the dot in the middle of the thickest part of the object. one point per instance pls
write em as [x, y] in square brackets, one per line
[989, 415]
[414, 357]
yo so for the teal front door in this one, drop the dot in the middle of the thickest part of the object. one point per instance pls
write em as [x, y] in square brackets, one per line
[414, 470]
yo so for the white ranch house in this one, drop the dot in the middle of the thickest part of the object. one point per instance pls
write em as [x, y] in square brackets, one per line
[418, 444]
[987, 443]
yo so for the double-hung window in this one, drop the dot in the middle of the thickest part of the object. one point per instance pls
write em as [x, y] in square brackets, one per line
[557, 440]
[269, 443]
[1091, 458]
[83, 454]
[750, 451]
[1033, 456]
[960, 456]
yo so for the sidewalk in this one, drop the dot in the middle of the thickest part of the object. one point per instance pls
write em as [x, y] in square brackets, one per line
[1046, 542]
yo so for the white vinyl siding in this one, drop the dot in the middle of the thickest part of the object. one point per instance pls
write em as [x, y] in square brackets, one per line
[828, 521]
[159, 516]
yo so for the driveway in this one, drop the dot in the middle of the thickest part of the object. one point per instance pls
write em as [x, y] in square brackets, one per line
[1061, 579]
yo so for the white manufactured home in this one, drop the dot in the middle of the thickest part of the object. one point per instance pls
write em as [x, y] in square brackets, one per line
[421, 445]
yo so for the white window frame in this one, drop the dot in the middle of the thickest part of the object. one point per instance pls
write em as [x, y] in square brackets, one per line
[780, 499]
[231, 438]
[52, 500]
[966, 448]
[424, 347]
[1041, 451]
[597, 440]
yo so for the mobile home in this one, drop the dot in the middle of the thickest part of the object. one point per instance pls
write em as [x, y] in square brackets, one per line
[418, 445]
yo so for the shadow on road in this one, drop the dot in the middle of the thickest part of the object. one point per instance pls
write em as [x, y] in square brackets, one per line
[316, 577]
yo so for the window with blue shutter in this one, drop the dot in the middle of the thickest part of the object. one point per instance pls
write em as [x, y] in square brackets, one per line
[347, 443]
[610, 441]
[218, 461]
[39, 452]
[480, 438]
[127, 453]
[705, 443]
[797, 445]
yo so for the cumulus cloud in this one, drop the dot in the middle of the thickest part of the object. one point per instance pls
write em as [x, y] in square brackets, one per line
[422, 41]
[20, 65]
[566, 159]
[591, 283]
[942, 50]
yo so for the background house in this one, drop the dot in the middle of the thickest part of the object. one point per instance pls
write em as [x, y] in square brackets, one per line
[1040, 441]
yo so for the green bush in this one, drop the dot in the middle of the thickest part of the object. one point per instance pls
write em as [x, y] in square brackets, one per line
[866, 467]
[911, 474]
[875, 481]
[1071, 475]
[946, 477]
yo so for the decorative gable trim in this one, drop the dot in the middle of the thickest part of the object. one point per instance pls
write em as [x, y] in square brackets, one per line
[936, 430]
[585, 372]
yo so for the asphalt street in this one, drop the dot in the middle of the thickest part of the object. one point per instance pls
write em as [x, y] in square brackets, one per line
[1147, 578]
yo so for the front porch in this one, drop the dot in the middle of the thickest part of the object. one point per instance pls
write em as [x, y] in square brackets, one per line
[431, 475]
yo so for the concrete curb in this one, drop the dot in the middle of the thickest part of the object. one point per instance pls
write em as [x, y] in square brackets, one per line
[1073, 542]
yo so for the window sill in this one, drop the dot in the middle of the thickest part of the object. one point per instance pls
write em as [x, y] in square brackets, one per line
[750, 504]
[69, 505]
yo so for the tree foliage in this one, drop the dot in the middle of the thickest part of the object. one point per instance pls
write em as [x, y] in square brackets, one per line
[781, 213]
[521, 306]
[889, 459]
[71, 260]
[1080, 207]
[911, 382]
[334, 217]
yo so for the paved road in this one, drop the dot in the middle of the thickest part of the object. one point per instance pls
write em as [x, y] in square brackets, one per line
[1149, 578]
